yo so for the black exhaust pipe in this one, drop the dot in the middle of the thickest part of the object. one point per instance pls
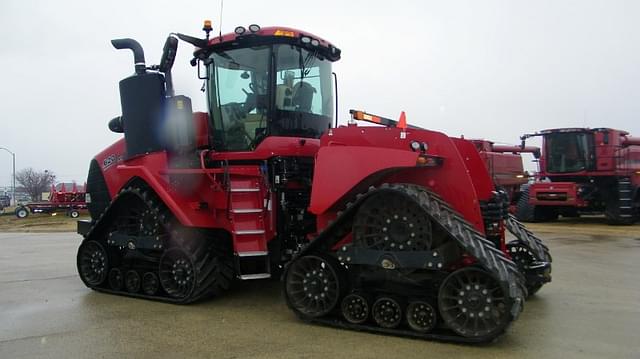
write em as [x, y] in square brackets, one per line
[138, 53]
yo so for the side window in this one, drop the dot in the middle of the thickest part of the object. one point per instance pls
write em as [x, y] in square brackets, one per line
[230, 82]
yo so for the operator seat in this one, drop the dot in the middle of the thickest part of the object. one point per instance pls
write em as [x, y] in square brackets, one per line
[303, 96]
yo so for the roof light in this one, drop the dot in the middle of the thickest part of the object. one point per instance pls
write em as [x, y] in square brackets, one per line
[254, 28]
[240, 30]
[315, 42]
[286, 33]
[207, 26]
[305, 39]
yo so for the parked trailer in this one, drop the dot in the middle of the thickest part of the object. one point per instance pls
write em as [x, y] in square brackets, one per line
[70, 202]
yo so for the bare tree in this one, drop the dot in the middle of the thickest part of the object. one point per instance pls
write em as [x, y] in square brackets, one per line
[35, 182]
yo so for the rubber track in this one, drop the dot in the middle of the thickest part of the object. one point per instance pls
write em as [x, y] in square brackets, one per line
[473, 242]
[204, 264]
[528, 239]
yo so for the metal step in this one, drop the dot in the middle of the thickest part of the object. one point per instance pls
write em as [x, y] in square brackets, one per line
[249, 232]
[253, 254]
[245, 190]
[246, 210]
[254, 276]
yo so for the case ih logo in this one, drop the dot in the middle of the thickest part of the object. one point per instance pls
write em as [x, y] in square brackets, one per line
[110, 160]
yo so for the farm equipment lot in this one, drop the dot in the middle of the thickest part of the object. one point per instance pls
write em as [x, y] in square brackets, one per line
[591, 309]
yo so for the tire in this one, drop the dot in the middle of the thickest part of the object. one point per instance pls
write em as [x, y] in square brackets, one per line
[22, 212]
[525, 212]
[612, 215]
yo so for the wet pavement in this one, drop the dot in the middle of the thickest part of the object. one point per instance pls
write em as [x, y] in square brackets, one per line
[590, 310]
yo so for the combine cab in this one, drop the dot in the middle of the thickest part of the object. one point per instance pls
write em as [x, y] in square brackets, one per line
[585, 171]
[389, 229]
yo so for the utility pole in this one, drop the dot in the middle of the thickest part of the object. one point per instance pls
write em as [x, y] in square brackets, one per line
[13, 185]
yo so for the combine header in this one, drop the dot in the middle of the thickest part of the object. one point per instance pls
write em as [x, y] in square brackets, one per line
[397, 230]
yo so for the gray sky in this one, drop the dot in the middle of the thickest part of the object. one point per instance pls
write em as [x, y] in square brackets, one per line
[492, 69]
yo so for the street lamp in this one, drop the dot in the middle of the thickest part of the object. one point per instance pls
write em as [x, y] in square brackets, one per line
[13, 186]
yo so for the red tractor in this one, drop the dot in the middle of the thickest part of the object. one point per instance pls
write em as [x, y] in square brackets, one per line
[584, 171]
[386, 229]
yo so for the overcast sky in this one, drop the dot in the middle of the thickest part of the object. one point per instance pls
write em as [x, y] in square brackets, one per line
[491, 69]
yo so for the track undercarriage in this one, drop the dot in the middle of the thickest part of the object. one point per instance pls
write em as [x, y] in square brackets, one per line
[414, 267]
[137, 249]
[402, 274]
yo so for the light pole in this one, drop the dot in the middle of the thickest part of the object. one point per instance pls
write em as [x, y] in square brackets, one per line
[13, 185]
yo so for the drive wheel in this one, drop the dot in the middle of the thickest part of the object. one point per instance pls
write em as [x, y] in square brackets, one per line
[386, 312]
[313, 285]
[392, 222]
[132, 281]
[92, 263]
[355, 308]
[177, 273]
[421, 316]
[472, 303]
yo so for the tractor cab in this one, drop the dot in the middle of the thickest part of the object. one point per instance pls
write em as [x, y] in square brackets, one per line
[267, 82]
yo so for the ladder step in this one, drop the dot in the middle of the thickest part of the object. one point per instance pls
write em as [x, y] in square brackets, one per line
[253, 254]
[249, 231]
[245, 190]
[247, 210]
[255, 276]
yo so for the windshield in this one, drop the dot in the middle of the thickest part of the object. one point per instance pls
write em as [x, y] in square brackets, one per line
[247, 103]
[568, 152]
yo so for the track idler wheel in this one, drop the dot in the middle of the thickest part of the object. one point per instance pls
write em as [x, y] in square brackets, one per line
[132, 281]
[116, 280]
[355, 308]
[177, 273]
[314, 285]
[93, 263]
[472, 303]
[421, 316]
[387, 312]
[524, 258]
[150, 283]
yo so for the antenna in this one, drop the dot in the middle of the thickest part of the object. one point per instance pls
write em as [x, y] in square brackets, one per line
[220, 22]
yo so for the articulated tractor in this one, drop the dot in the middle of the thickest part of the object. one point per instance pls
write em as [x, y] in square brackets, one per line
[389, 229]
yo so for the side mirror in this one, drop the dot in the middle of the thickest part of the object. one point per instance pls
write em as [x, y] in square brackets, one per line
[168, 54]
[116, 125]
[536, 154]
[522, 144]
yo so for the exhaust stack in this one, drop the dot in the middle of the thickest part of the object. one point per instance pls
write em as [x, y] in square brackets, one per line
[138, 53]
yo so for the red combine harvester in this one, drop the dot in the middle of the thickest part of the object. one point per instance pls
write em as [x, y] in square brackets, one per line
[69, 202]
[584, 171]
[386, 229]
[504, 164]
